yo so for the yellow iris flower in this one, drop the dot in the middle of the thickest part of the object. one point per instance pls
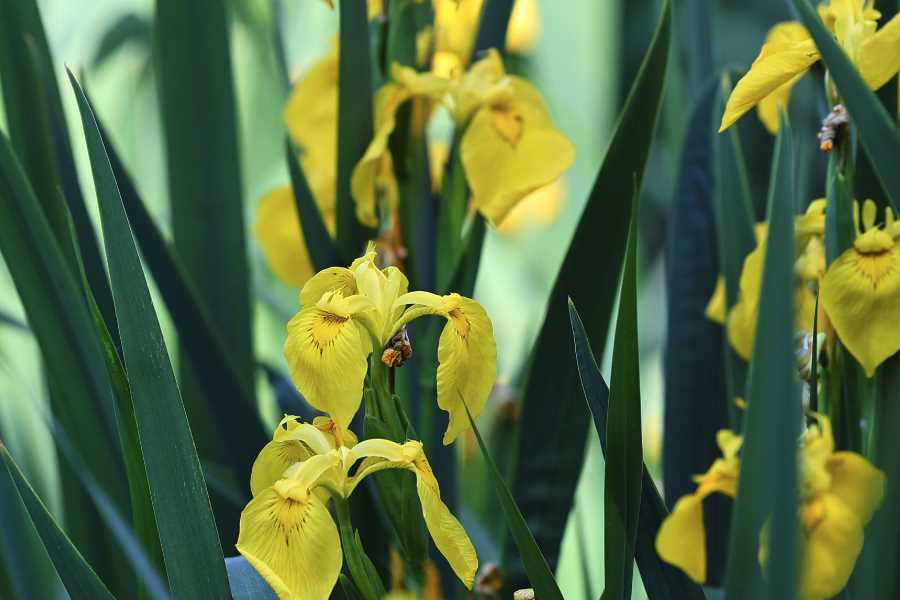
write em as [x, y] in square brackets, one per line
[839, 493]
[286, 531]
[346, 313]
[809, 230]
[861, 290]
[789, 52]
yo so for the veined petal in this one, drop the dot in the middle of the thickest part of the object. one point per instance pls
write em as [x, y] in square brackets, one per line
[510, 149]
[278, 232]
[776, 65]
[861, 296]
[858, 484]
[326, 356]
[294, 545]
[681, 540]
[467, 364]
[449, 536]
[785, 34]
[878, 59]
[834, 539]
[332, 279]
[273, 460]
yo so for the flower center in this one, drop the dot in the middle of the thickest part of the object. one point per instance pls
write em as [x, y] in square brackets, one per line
[812, 512]
[875, 266]
[460, 322]
[289, 513]
[508, 123]
[326, 328]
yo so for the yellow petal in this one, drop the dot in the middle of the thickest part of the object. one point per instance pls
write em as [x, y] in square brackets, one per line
[715, 308]
[742, 318]
[834, 539]
[861, 296]
[878, 59]
[310, 116]
[524, 27]
[777, 64]
[681, 540]
[449, 536]
[857, 483]
[279, 235]
[326, 355]
[510, 149]
[294, 545]
[783, 33]
[339, 279]
[538, 209]
[485, 81]
[273, 461]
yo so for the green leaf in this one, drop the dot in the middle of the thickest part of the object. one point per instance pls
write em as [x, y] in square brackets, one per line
[877, 130]
[539, 574]
[661, 580]
[233, 405]
[322, 252]
[77, 575]
[767, 489]
[493, 25]
[624, 453]
[549, 464]
[199, 116]
[187, 532]
[246, 583]
[64, 329]
[695, 396]
[355, 121]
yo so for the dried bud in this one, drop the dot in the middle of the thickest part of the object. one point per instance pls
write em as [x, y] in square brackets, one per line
[490, 581]
[524, 595]
[398, 349]
[831, 126]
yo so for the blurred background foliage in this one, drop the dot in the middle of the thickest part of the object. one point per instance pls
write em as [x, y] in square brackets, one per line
[584, 59]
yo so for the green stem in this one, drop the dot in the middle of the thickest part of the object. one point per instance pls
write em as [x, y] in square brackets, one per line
[361, 569]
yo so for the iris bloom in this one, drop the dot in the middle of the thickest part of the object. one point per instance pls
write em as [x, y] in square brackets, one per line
[861, 291]
[809, 230]
[286, 530]
[789, 52]
[346, 313]
[839, 493]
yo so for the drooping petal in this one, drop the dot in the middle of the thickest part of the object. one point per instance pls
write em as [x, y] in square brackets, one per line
[776, 65]
[273, 461]
[834, 539]
[310, 116]
[858, 484]
[449, 536]
[784, 34]
[878, 58]
[293, 544]
[681, 540]
[278, 232]
[326, 355]
[861, 295]
[510, 149]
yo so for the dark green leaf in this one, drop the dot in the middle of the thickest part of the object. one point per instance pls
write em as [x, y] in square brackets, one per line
[661, 581]
[624, 453]
[549, 465]
[767, 489]
[130, 28]
[77, 575]
[322, 252]
[14, 322]
[538, 571]
[246, 583]
[877, 130]
[191, 548]
[493, 25]
[199, 115]
[355, 120]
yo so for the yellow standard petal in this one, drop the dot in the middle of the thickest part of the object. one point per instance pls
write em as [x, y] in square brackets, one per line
[279, 235]
[273, 461]
[777, 64]
[833, 541]
[861, 295]
[310, 116]
[785, 34]
[292, 542]
[510, 149]
[878, 59]
[326, 352]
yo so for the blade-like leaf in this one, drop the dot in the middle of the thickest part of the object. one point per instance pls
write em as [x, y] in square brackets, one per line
[77, 575]
[493, 25]
[246, 583]
[187, 532]
[661, 581]
[767, 490]
[624, 452]
[321, 248]
[197, 102]
[355, 120]
[549, 465]
[877, 130]
[695, 396]
[539, 574]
